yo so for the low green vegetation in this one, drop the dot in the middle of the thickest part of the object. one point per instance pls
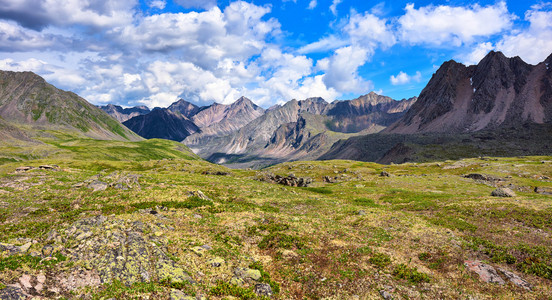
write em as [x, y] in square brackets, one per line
[411, 231]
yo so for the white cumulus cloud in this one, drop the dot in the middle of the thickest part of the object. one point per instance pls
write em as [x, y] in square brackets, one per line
[533, 44]
[403, 78]
[452, 25]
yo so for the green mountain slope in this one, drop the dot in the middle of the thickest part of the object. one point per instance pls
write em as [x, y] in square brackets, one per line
[26, 99]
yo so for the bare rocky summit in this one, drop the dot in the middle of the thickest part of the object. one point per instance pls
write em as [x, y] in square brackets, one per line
[122, 114]
[499, 91]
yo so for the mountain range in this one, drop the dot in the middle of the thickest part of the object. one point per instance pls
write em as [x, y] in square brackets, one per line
[244, 134]
[501, 106]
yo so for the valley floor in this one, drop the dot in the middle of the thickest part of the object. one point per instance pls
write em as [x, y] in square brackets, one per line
[186, 229]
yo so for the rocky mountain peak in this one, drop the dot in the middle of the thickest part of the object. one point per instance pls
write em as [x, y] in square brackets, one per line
[184, 107]
[243, 102]
[499, 90]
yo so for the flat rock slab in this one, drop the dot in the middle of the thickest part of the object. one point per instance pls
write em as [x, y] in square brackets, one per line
[515, 279]
[486, 272]
[503, 192]
[113, 249]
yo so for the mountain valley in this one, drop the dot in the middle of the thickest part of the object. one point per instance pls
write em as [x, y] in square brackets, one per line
[445, 196]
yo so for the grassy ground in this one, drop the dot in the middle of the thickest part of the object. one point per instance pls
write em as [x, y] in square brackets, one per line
[408, 234]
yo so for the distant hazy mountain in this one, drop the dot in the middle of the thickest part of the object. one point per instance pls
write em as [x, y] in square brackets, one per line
[123, 114]
[499, 91]
[299, 130]
[219, 119]
[162, 123]
[365, 111]
[28, 101]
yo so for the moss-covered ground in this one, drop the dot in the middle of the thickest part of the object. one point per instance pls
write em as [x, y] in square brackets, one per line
[408, 233]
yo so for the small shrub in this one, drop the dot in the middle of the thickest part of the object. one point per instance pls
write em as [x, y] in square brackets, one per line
[265, 277]
[281, 240]
[319, 190]
[365, 202]
[225, 289]
[402, 271]
[424, 256]
[380, 260]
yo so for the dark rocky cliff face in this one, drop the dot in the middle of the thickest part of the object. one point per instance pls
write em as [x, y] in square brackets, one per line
[162, 123]
[499, 91]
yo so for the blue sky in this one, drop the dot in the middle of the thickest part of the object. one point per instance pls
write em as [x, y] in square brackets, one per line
[153, 52]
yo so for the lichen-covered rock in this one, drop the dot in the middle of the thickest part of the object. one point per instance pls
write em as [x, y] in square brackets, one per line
[515, 279]
[97, 185]
[263, 289]
[290, 180]
[11, 249]
[118, 250]
[246, 273]
[215, 262]
[385, 174]
[179, 295]
[12, 293]
[486, 272]
[385, 295]
[503, 192]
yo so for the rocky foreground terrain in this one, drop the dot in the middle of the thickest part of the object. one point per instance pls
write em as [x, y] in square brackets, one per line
[138, 227]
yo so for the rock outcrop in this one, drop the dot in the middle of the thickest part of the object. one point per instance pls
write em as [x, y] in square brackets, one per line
[499, 91]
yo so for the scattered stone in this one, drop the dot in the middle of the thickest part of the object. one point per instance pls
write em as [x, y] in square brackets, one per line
[24, 248]
[263, 289]
[47, 250]
[97, 185]
[78, 279]
[179, 295]
[503, 192]
[290, 180]
[384, 174]
[198, 250]
[24, 169]
[10, 248]
[12, 293]
[48, 167]
[289, 253]
[215, 262]
[25, 281]
[246, 273]
[237, 281]
[329, 179]
[198, 216]
[385, 295]
[515, 279]
[486, 272]
[543, 190]
[199, 194]
[218, 173]
[361, 212]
